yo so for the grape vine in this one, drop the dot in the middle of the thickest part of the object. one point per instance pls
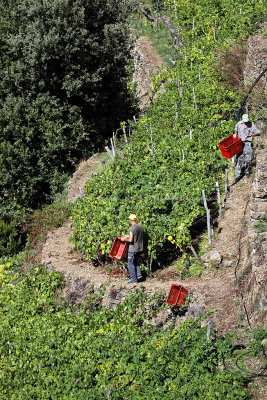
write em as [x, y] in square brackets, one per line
[172, 155]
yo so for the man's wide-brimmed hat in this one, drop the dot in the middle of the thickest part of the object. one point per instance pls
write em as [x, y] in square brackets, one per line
[245, 118]
[132, 217]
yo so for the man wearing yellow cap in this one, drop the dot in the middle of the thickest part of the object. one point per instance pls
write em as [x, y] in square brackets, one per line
[136, 241]
[245, 130]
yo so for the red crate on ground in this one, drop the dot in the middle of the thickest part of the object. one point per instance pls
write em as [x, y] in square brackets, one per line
[119, 249]
[177, 295]
[230, 146]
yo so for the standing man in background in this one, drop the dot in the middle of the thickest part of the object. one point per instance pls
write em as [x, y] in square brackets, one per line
[245, 130]
[136, 241]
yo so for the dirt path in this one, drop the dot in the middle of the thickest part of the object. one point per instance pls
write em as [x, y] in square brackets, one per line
[82, 174]
[215, 289]
[146, 63]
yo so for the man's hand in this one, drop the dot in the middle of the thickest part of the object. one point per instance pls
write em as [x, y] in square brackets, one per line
[235, 135]
[128, 239]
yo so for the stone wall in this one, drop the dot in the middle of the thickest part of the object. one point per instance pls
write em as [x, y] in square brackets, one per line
[256, 285]
[256, 60]
[256, 291]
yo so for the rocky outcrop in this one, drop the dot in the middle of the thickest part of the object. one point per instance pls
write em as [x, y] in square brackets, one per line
[212, 257]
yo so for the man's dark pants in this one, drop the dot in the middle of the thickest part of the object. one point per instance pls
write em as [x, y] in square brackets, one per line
[133, 267]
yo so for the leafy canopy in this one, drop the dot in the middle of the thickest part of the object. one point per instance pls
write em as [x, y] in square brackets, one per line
[48, 351]
[63, 86]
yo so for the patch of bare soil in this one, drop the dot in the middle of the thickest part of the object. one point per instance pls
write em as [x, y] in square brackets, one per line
[234, 219]
[82, 174]
[146, 63]
[153, 59]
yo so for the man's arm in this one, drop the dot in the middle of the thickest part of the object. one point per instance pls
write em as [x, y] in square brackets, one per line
[235, 135]
[254, 134]
[128, 238]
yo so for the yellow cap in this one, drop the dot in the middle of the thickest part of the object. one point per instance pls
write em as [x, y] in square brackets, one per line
[132, 217]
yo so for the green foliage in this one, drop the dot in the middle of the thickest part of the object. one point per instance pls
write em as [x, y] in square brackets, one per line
[63, 88]
[36, 149]
[48, 351]
[258, 344]
[261, 226]
[42, 221]
[259, 334]
[161, 179]
[11, 227]
[160, 188]
[193, 267]
[7, 238]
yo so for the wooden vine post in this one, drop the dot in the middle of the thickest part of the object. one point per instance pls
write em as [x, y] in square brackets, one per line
[176, 112]
[219, 199]
[204, 199]
[194, 252]
[214, 32]
[225, 185]
[149, 264]
[208, 226]
[125, 136]
[191, 246]
[208, 216]
[208, 330]
[108, 391]
[109, 153]
[195, 99]
[190, 134]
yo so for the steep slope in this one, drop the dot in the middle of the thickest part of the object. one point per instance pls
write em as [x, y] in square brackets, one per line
[215, 289]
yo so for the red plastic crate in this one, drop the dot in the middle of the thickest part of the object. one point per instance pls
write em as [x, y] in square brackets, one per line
[119, 249]
[177, 295]
[230, 146]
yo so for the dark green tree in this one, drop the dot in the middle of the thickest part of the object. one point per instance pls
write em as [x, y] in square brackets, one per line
[63, 88]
